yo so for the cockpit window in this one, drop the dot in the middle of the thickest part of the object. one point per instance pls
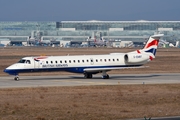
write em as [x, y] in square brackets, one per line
[28, 62]
[22, 61]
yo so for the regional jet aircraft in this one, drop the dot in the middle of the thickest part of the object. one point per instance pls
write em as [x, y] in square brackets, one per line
[87, 64]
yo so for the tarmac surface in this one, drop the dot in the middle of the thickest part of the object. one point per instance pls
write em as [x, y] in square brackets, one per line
[160, 118]
[79, 80]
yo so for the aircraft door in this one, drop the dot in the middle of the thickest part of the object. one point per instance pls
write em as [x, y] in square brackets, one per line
[36, 64]
[41, 63]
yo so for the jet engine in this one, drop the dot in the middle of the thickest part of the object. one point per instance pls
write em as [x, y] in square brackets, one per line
[133, 58]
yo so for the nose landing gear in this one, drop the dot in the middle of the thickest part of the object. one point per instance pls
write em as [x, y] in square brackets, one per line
[16, 78]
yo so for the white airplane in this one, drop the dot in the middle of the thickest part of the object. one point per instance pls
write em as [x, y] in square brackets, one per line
[87, 64]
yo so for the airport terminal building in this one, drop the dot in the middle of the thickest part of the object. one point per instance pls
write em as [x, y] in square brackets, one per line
[136, 31]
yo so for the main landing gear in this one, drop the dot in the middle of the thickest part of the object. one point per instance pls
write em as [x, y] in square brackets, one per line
[88, 75]
[104, 75]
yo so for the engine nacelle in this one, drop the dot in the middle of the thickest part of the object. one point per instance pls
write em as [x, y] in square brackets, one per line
[133, 58]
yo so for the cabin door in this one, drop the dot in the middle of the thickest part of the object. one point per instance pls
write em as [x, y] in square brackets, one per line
[36, 64]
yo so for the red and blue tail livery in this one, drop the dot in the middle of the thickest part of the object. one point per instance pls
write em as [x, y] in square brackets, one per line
[151, 46]
[87, 64]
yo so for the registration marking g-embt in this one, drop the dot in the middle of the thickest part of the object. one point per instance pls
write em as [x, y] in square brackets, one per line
[137, 56]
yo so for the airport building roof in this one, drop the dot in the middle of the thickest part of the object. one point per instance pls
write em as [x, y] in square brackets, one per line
[81, 30]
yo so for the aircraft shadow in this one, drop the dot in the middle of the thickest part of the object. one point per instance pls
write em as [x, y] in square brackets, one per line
[115, 77]
[121, 77]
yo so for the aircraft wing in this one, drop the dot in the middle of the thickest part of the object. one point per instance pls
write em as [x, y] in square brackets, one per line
[110, 68]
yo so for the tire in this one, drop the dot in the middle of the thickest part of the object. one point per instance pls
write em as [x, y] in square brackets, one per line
[16, 78]
[86, 75]
[105, 77]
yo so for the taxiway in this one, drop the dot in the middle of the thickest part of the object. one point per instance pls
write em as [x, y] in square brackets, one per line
[78, 80]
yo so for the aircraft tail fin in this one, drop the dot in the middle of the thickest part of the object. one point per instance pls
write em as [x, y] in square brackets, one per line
[151, 46]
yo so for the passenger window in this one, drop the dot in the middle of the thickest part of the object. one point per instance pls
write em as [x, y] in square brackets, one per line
[105, 60]
[69, 61]
[82, 60]
[60, 61]
[96, 60]
[87, 60]
[74, 61]
[56, 62]
[113, 60]
[101, 60]
[109, 59]
[51, 62]
[117, 59]
[65, 61]
[78, 61]
[46, 62]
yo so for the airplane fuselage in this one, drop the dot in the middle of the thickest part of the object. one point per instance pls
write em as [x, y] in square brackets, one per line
[75, 64]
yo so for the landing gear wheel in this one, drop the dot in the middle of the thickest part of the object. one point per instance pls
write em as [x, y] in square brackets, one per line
[16, 78]
[85, 75]
[105, 76]
[88, 75]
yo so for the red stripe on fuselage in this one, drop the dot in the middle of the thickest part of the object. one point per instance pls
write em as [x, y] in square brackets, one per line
[40, 58]
[138, 51]
[154, 42]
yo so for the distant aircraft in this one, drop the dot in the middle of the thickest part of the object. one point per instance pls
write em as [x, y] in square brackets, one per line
[96, 42]
[87, 64]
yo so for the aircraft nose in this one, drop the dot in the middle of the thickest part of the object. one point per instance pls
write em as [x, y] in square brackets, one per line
[5, 70]
[10, 72]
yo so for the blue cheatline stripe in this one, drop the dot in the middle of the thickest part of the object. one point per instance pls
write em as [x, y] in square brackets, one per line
[69, 69]
[152, 50]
